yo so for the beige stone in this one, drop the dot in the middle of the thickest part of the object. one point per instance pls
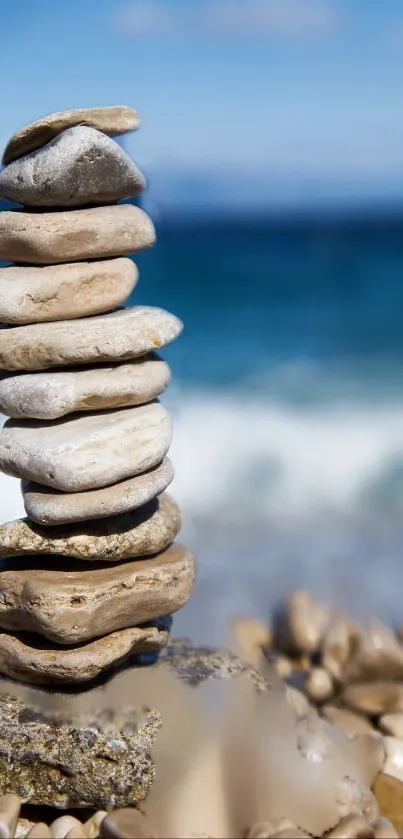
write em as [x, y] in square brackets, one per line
[118, 336]
[80, 166]
[62, 292]
[61, 826]
[141, 532]
[392, 724]
[49, 507]
[34, 660]
[388, 792]
[352, 827]
[351, 724]
[40, 830]
[376, 654]
[10, 806]
[338, 643]
[374, 698]
[92, 825]
[394, 757]
[112, 120]
[54, 394]
[68, 605]
[299, 625]
[86, 451]
[126, 823]
[95, 233]
[319, 685]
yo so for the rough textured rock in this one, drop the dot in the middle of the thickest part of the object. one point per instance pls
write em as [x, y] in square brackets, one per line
[96, 233]
[78, 763]
[62, 292]
[29, 658]
[122, 335]
[112, 120]
[49, 507]
[101, 448]
[54, 394]
[80, 166]
[141, 532]
[69, 605]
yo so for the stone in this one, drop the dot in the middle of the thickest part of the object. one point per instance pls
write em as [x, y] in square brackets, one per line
[118, 336]
[374, 698]
[79, 166]
[52, 507]
[392, 724]
[94, 233]
[319, 685]
[112, 120]
[388, 792]
[92, 825]
[53, 394]
[352, 827]
[394, 757]
[62, 292]
[68, 605]
[383, 829]
[31, 659]
[376, 655]
[141, 532]
[61, 826]
[338, 644]
[73, 760]
[10, 806]
[88, 451]
[126, 823]
[350, 723]
[299, 624]
[40, 830]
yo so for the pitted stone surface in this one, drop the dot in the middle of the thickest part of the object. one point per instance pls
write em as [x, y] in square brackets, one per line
[53, 394]
[96, 233]
[49, 507]
[112, 120]
[86, 451]
[119, 336]
[79, 166]
[142, 532]
[62, 292]
[69, 605]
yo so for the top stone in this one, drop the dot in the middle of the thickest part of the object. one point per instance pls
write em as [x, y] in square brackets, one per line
[112, 120]
[80, 166]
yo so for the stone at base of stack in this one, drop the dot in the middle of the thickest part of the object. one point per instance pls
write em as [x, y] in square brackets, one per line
[91, 577]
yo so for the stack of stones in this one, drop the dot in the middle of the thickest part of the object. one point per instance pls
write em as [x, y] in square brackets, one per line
[91, 576]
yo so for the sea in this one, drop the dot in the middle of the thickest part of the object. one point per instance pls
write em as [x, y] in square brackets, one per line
[287, 404]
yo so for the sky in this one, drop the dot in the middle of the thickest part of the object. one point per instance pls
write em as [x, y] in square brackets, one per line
[254, 99]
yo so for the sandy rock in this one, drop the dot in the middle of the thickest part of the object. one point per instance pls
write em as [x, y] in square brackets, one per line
[54, 394]
[51, 507]
[394, 757]
[62, 292]
[352, 827]
[388, 792]
[96, 233]
[392, 724]
[31, 659]
[298, 626]
[118, 336]
[127, 823]
[376, 655]
[68, 605]
[112, 120]
[79, 166]
[337, 646]
[350, 723]
[66, 453]
[374, 698]
[319, 685]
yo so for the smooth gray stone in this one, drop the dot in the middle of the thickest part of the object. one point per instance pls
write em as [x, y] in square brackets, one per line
[80, 166]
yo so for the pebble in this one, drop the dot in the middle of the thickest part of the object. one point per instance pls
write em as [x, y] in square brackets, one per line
[79, 166]
[60, 827]
[118, 336]
[95, 233]
[394, 757]
[376, 655]
[132, 440]
[112, 120]
[383, 829]
[388, 792]
[251, 636]
[265, 830]
[298, 626]
[127, 823]
[298, 702]
[355, 799]
[30, 660]
[62, 292]
[392, 724]
[70, 606]
[374, 698]
[352, 827]
[319, 685]
[337, 645]
[350, 723]
[54, 394]
[10, 806]
[40, 830]
[51, 507]
[92, 825]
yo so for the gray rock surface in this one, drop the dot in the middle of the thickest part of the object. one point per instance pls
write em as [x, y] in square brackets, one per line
[112, 120]
[62, 292]
[119, 336]
[96, 233]
[79, 166]
[86, 451]
[49, 507]
[50, 395]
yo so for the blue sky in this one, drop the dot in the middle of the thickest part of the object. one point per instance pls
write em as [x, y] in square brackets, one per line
[286, 93]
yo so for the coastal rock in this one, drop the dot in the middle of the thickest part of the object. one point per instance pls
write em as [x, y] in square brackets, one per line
[68, 605]
[29, 658]
[79, 166]
[77, 761]
[101, 448]
[121, 335]
[49, 507]
[141, 532]
[96, 233]
[50, 395]
[112, 120]
[62, 292]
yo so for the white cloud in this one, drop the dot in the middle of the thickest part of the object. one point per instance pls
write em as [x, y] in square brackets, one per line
[230, 18]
